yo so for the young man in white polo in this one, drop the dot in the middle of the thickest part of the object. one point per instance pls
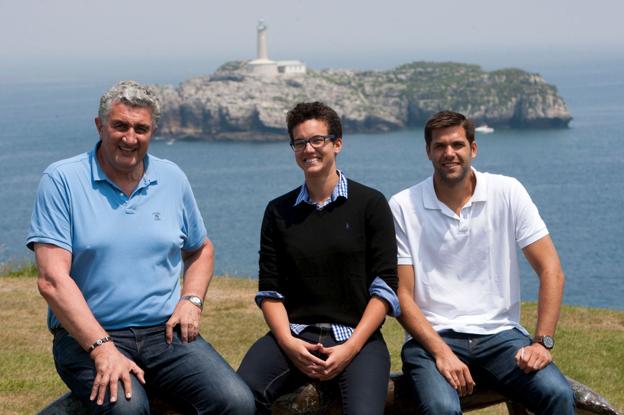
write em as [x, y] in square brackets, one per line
[459, 288]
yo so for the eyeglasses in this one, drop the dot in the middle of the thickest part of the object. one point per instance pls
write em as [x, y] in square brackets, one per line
[316, 142]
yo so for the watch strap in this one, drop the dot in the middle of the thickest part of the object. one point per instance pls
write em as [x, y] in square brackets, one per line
[547, 341]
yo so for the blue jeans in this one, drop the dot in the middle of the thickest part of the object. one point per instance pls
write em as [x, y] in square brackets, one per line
[192, 374]
[491, 361]
[363, 383]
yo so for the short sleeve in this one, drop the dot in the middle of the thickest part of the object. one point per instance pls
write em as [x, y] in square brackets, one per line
[194, 228]
[529, 226]
[404, 256]
[51, 217]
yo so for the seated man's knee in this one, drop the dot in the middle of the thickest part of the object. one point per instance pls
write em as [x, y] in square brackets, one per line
[559, 395]
[430, 390]
[440, 404]
[552, 393]
[130, 406]
[262, 402]
[564, 396]
[137, 404]
[241, 403]
[234, 398]
[433, 394]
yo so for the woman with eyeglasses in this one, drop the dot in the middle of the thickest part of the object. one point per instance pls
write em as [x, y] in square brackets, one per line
[327, 277]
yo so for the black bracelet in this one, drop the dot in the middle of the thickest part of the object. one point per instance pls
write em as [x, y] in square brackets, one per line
[99, 342]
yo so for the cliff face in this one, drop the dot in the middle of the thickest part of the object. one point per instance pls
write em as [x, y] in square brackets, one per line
[232, 104]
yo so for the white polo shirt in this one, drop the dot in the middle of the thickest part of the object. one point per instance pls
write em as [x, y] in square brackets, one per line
[466, 266]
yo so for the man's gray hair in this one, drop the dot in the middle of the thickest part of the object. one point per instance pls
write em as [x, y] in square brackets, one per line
[130, 93]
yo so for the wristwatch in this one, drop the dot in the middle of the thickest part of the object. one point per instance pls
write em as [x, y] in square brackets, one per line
[546, 341]
[195, 300]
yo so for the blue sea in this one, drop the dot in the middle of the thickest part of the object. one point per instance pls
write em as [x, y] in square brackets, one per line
[575, 175]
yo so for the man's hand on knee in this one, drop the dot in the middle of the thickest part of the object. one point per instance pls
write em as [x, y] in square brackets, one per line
[532, 358]
[111, 367]
[456, 373]
[186, 315]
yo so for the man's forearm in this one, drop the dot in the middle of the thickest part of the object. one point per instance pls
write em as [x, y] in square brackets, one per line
[413, 319]
[416, 324]
[198, 270]
[544, 260]
[71, 309]
[64, 297]
[549, 303]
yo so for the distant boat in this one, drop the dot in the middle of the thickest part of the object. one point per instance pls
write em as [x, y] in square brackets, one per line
[484, 129]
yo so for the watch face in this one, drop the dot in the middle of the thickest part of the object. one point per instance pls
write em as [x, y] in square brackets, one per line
[548, 342]
[193, 299]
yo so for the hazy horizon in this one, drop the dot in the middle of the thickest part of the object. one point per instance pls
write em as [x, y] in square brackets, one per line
[162, 42]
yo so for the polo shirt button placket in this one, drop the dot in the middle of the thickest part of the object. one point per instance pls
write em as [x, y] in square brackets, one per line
[129, 208]
[464, 219]
[463, 225]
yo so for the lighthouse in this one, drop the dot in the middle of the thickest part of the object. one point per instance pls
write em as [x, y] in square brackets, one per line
[263, 66]
[263, 49]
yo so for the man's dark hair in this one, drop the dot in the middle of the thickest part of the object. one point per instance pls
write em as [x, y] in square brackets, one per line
[444, 119]
[305, 111]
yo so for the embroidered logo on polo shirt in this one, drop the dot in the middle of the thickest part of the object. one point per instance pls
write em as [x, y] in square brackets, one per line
[347, 226]
[156, 215]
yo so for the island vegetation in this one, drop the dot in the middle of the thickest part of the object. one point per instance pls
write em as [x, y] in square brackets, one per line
[233, 103]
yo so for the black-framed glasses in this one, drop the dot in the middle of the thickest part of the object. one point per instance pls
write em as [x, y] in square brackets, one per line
[316, 142]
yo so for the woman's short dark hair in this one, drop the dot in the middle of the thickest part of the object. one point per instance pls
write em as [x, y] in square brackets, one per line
[444, 119]
[305, 111]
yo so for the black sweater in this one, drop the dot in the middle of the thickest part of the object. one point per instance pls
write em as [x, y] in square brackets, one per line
[324, 262]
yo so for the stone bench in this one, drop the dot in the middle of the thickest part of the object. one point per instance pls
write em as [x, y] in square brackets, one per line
[316, 399]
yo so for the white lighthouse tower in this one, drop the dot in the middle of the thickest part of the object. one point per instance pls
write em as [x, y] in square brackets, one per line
[264, 66]
[263, 49]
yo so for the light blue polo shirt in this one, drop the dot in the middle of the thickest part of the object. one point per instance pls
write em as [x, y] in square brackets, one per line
[126, 251]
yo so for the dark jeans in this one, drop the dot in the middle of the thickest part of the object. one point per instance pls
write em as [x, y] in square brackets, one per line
[363, 383]
[193, 374]
[492, 363]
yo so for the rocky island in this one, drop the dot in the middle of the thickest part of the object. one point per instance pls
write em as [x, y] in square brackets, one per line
[234, 103]
[248, 100]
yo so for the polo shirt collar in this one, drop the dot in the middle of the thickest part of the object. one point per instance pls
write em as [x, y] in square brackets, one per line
[480, 192]
[430, 200]
[98, 174]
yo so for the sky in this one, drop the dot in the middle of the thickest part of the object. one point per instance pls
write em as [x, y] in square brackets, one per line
[167, 39]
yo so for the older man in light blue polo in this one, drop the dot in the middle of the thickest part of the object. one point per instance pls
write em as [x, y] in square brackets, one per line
[112, 230]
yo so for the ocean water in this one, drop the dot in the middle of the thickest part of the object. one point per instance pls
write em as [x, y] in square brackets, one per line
[575, 176]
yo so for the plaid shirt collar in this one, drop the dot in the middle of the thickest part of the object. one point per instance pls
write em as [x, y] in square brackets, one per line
[341, 190]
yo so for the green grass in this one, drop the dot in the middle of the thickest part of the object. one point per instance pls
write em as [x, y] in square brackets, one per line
[590, 342]
[18, 269]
